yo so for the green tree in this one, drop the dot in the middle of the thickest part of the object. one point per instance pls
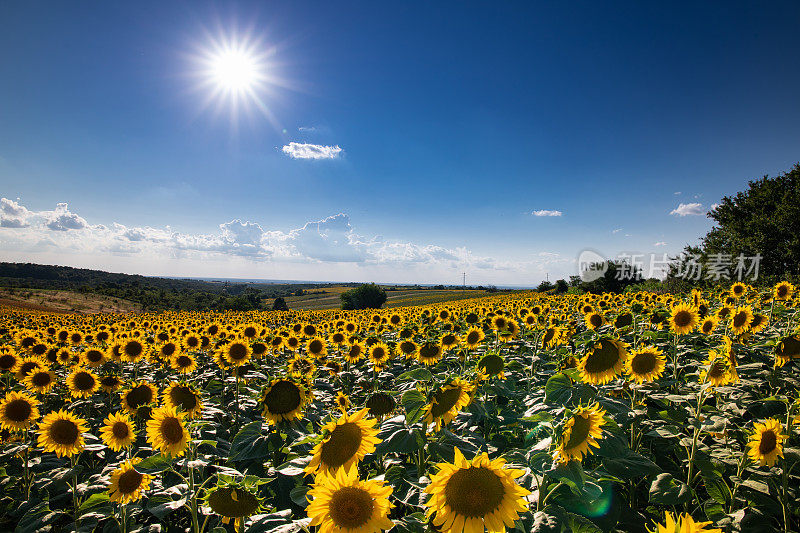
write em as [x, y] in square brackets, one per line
[366, 296]
[762, 220]
[279, 304]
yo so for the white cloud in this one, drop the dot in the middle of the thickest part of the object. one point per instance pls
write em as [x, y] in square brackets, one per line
[616, 231]
[61, 219]
[688, 209]
[12, 214]
[677, 193]
[308, 129]
[546, 213]
[311, 151]
[714, 206]
[660, 243]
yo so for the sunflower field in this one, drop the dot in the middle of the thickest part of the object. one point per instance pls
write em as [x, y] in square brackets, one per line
[515, 412]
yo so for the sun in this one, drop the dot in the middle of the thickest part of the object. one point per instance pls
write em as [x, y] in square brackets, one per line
[235, 70]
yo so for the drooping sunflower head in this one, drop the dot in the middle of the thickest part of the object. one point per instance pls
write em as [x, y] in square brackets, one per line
[127, 484]
[184, 397]
[475, 494]
[166, 431]
[429, 353]
[233, 501]
[284, 399]
[62, 432]
[716, 370]
[604, 361]
[18, 411]
[348, 440]
[447, 402]
[381, 404]
[683, 318]
[138, 395]
[110, 382]
[118, 431]
[581, 431]
[492, 364]
[766, 442]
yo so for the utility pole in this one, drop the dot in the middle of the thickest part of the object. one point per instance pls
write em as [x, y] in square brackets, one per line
[464, 279]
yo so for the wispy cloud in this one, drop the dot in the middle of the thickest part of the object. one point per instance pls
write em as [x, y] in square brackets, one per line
[660, 243]
[307, 129]
[311, 151]
[616, 231]
[692, 209]
[547, 213]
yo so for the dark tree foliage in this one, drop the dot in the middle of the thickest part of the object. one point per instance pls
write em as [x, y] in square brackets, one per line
[618, 276]
[279, 304]
[764, 219]
[561, 286]
[366, 296]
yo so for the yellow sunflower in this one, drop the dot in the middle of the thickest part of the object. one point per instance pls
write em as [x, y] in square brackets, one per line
[683, 318]
[580, 432]
[379, 354]
[9, 359]
[41, 381]
[473, 338]
[283, 399]
[708, 325]
[683, 523]
[468, 496]
[645, 364]
[127, 484]
[62, 432]
[408, 348]
[766, 443]
[132, 350]
[82, 383]
[342, 401]
[783, 291]
[715, 371]
[354, 353]
[594, 320]
[166, 431]
[183, 396]
[316, 347]
[237, 352]
[110, 383]
[348, 440]
[447, 402]
[604, 361]
[183, 362]
[28, 364]
[738, 289]
[118, 431]
[93, 357]
[741, 318]
[18, 411]
[342, 503]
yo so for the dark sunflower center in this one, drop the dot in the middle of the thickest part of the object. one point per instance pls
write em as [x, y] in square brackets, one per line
[84, 381]
[192, 342]
[109, 381]
[237, 351]
[351, 507]
[429, 351]
[315, 346]
[64, 432]
[380, 404]
[120, 430]
[355, 351]
[739, 319]
[94, 356]
[717, 370]
[184, 361]
[769, 442]
[604, 357]
[26, 367]
[444, 401]
[682, 319]
[168, 349]
[7, 361]
[342, 444]
[133, 349]
[643, 363]
[783, 291]
[284, 397]
[250, 331]
[473, 337]
[18, 410]
[232, 503]
[41, 379]
[449, 339]
[171, 430]
[130, 481]
[581, 424]
[139, 395]
[378, 353]
[596, 320]
[183, 397]
[707, 325]
[474, 492]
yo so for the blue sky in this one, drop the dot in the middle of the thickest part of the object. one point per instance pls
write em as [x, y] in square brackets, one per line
[455, 123]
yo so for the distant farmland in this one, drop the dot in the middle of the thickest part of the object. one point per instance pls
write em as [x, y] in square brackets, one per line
[328, 297]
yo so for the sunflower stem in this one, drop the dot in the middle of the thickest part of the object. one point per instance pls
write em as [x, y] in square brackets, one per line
[74, 462]
[26, 479]
[236, 373]
[192, 492]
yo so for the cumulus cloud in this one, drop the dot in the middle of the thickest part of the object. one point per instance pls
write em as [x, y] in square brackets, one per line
[311, 151]
[61, 219]
[692, 209]
[12, 214]
[547, 213]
